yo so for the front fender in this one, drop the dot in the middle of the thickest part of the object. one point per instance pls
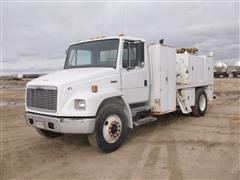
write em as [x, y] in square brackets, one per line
[93, 101]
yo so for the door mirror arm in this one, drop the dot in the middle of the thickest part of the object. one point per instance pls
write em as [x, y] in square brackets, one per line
[129, 68]
[142, 64]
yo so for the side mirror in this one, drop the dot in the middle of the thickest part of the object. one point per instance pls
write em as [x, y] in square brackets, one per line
[66, 51]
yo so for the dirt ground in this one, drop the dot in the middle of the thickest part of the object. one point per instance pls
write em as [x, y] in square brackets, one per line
[174, 147]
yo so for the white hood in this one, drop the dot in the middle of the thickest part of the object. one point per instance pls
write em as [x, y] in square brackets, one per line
[68, 76]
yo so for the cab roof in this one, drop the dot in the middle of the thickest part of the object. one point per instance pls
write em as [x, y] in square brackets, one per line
[112, 37]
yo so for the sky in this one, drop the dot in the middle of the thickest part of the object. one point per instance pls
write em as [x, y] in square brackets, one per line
[35, 35]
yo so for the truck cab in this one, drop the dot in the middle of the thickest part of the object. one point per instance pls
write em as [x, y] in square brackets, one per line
[107, 86]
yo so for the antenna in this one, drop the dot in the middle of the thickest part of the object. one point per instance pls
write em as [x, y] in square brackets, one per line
[123, 17]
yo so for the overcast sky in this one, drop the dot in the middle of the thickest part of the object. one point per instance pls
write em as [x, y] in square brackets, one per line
[36, 35]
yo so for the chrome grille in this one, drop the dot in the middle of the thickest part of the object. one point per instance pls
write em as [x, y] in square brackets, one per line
[43, 98]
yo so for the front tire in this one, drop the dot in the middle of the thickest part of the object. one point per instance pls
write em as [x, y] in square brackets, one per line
[201, 102]
[110, 129]
[48, 134]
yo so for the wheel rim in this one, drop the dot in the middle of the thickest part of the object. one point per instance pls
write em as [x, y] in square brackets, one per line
[112, 128]
[202, 102]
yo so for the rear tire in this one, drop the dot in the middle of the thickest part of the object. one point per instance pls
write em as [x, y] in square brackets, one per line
[48, 134]
[201, 102]
[110, 129]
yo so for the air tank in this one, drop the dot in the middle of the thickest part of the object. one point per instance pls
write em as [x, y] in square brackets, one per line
[237, 65]
[220, 67]
[235, 70]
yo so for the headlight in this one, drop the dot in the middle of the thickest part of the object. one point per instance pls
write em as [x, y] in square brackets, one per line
[80, 104]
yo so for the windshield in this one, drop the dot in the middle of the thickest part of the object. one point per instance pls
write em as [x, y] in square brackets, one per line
[102, 53]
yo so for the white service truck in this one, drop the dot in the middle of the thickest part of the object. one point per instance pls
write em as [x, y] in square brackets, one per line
[109, 85]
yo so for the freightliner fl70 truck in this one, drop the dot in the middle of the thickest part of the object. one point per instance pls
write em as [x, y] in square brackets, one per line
[112, 84]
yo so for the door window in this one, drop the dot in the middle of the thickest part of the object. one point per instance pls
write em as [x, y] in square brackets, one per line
[133, 54]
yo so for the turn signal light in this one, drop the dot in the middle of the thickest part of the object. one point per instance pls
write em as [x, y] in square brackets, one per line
[94, 88]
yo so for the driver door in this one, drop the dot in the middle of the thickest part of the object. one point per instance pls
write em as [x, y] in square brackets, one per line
[135, 82]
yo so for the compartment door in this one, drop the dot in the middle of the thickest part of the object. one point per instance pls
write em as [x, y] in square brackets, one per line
[168, 79]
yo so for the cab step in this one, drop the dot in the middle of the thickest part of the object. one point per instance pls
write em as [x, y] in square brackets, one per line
[145, 120]
[183, 103]
[137, 110]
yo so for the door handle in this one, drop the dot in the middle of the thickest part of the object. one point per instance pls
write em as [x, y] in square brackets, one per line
[145, 83]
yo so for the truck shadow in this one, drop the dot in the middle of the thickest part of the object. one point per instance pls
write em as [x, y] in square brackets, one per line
[148, 131]
[74, 139]
[162, 122]
[153, 138]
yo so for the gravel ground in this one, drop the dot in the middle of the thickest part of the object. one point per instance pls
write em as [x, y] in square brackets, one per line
[174, 147]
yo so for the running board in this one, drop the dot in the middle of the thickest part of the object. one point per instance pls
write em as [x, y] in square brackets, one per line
[144, 121]
[139, 109]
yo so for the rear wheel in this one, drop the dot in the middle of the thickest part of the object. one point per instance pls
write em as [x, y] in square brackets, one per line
[110, 129]
[48, 134]
[200, 107]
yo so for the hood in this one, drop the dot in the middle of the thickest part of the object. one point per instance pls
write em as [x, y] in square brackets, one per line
[68, 76]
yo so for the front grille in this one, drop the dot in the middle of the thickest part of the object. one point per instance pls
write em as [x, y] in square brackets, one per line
[43, 98]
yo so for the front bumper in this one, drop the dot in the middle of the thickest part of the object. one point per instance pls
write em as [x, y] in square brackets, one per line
[61, 125]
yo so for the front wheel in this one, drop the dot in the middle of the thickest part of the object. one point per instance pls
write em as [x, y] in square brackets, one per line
[200, 107]
[110, 129]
